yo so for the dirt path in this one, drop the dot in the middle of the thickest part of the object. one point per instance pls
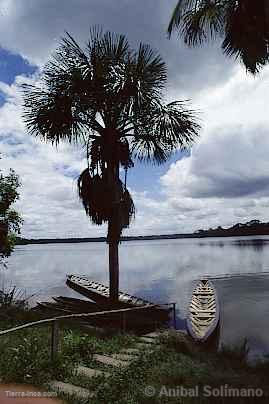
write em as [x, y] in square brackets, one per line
[25, 394]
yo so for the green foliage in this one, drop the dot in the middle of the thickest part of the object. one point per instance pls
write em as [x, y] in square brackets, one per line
[178, 344]
[168, 367]
[83, 346]
[78, 345]
[242, 25]
[25, 354]
[12, 297]
[10, 220]
[25, 357]
[9, 185]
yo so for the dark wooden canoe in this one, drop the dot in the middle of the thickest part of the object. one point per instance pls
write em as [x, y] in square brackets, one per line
[70, 305]
[99, 293]
[66, 305]
[203, 314]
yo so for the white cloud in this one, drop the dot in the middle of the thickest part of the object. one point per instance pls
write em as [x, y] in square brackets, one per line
[226, 178]
[33, 29]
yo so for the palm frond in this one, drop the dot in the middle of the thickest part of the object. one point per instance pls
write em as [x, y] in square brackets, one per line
[101, 150]
[198, 20]
[150, 150]
[244, 25]
[63, 105]
[247, 33]
[124, 154]
[95, 194]
[150, 74]
[163, 130]
[203, 24]
[52, 117]
[182, 8]
[114, 47]
[142, 79]
[175, 124]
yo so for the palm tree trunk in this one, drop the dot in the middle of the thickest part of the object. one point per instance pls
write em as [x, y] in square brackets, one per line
[114, 234]
[113, 271]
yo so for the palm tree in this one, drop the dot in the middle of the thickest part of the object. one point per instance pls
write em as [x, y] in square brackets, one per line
[109, 97]
[243, 26]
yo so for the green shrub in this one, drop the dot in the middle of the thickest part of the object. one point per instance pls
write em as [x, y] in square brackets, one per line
[83, 346]
[25, 357]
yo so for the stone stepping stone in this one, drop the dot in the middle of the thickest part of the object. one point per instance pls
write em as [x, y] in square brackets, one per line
[122, 356]
[152, 334]
[108, 360]
[144, 346]
[130, 351]
[88, 372]
[148, 340]
[70, 389]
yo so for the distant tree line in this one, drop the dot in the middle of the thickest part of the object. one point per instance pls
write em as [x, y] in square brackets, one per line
[253, 227]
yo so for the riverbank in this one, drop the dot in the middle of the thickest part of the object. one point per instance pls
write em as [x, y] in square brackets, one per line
[170, 370]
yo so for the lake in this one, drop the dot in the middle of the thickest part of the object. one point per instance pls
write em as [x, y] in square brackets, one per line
[163, 271]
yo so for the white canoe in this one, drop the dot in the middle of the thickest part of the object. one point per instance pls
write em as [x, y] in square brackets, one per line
[203, 314]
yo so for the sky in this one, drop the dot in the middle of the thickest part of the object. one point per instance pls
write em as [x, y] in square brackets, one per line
[222, 180]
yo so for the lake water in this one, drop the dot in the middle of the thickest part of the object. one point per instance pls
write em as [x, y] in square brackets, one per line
[164, 271]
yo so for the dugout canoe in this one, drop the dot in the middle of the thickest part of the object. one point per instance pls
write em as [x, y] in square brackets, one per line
[203, 314]
[99, 293]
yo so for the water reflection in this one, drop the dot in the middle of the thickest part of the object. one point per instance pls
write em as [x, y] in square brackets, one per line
[164, 271]
[245, 311]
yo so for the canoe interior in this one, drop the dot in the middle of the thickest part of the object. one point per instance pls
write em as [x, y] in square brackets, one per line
[99, 292]
[203, 316]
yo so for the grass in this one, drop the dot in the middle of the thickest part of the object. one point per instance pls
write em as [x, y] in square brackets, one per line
[25, 358]
[168, 366]
[30, 348]
[170, 369]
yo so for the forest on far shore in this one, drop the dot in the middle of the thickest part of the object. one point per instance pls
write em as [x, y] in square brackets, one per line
[251, 228]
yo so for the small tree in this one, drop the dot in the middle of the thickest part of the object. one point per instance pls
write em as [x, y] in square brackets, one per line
[10, 220]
